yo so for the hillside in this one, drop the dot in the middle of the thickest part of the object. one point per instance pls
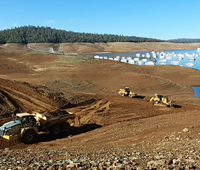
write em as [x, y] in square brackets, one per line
[115, 47]
[185, 40]
[114, 132]
[32, 34]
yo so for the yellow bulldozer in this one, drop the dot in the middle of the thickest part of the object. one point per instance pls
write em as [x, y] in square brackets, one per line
[161, 100]
[126, 92]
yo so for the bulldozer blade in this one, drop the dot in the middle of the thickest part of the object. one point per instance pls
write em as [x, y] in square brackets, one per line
[159, 104]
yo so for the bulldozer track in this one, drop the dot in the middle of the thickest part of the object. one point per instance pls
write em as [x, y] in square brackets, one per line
[169, 84]
[89, 114]
[27, 100]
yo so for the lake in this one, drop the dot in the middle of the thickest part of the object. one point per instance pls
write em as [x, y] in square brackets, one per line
[183, 58]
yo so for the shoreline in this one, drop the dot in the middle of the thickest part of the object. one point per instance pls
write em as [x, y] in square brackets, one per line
[116, 47]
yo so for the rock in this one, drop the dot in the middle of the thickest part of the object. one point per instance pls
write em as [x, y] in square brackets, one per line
[169, 162]
[155, 163]
[186, 130]
[51, 167]
[7, 149]
[72, 165]
[175, 161]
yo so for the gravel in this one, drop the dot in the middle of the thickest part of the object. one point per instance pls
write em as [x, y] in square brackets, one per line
[177, 152]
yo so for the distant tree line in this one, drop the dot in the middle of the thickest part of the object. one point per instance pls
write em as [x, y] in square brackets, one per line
[184, 40]
[32, 34]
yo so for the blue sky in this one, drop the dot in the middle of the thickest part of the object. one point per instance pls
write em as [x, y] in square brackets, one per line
[161, 19]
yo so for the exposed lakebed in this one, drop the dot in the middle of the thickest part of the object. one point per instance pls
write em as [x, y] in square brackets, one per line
[182, 58]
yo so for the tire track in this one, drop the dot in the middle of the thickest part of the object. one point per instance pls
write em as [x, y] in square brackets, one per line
[168, 84]
[27, 101]
[22, 97]
[94, 113]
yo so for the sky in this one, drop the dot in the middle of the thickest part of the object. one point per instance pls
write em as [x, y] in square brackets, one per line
[160, 19]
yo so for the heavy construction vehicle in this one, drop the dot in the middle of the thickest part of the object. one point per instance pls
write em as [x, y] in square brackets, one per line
[158, 99]
[26, 126]
[126, 92]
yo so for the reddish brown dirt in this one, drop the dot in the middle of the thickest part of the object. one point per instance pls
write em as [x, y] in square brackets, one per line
[115, 47]
[33, 81]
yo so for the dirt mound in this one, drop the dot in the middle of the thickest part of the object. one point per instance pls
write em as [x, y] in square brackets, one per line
[16, 96]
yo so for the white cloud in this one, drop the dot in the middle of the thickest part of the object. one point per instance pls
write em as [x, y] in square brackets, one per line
[14, 24]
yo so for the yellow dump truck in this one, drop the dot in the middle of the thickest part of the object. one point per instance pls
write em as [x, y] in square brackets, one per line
[26, 126]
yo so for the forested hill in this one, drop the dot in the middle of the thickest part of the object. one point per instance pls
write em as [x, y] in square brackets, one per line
[32, 34]
[184, 40]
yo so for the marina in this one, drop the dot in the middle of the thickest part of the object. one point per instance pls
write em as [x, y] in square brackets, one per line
[185, 58]
[182, 58]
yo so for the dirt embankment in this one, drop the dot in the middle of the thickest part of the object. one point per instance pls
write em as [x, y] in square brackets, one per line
[115, 47]
[16, 96]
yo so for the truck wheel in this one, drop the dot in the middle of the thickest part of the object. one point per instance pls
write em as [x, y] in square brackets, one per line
[65, 127]
[29, 137]
[55, 130]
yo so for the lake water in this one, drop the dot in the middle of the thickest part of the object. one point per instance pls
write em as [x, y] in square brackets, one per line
[197, 92]
[183, 58]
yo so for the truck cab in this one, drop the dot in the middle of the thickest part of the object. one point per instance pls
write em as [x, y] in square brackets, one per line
[16, 129]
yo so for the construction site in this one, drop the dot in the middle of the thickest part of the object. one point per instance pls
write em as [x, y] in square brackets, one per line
[124, 116]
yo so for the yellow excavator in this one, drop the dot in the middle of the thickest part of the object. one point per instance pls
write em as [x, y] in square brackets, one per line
[126, 92]
[158, 99]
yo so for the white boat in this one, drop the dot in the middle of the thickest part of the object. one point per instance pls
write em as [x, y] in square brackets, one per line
[161, 56]
[96, 57]
[140, 62]
[117, 58]
[148, 55]
[124, 60]
[189, 64]
[144, 59]
[169, 57]
[179, 58]
[163, 61]
[150, 63]
[175, 63]
[131, 61]
[153, 55]
[136, 59]
[180, 55]
[191, 59]
[138, 55]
